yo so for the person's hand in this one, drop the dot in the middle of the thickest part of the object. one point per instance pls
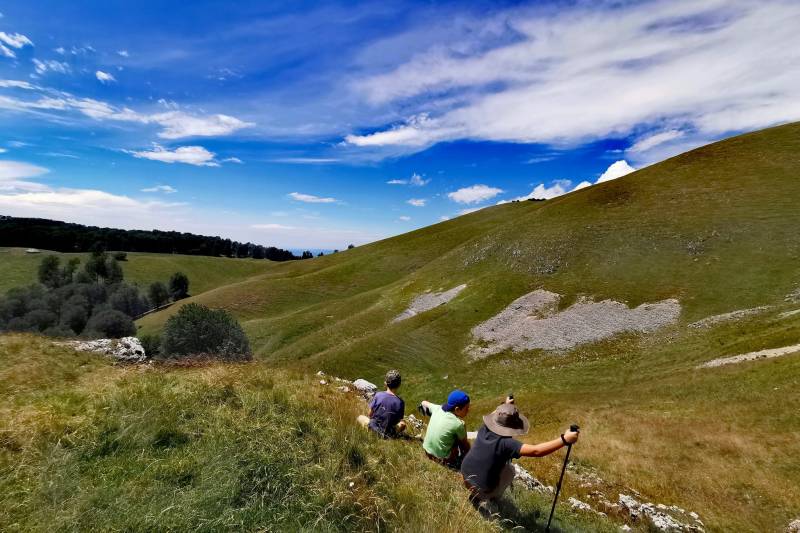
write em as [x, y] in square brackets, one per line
[509, 400]
[571, 436]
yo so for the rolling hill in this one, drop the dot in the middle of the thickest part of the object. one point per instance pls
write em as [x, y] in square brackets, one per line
[681, 263]
[715, 229]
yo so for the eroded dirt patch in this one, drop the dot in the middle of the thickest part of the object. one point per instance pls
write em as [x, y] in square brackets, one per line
[727, 317]
[427, 301]
[752, 356]
[533, 322]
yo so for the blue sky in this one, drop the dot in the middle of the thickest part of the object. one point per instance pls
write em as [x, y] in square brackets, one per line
[315, 124]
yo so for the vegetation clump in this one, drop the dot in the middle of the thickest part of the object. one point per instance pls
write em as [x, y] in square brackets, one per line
[91, 302]
[198, 330]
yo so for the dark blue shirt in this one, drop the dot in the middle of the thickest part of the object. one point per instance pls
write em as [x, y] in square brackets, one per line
[487, 457]
[387, 410]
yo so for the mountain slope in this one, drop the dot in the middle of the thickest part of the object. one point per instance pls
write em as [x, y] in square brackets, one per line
[715, 228]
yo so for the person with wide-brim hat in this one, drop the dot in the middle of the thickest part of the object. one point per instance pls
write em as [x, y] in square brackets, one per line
[487, 467]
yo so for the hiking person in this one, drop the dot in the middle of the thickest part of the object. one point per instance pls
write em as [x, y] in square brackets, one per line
[446, 437]
[386, 409]
[487, 469]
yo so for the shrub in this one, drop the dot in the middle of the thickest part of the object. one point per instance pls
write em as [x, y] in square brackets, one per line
[151, 344]
[179, 286]
[198, 330]
[120, 256]
[110, 323]
[50, 271]
[126, 298]
[158, 294]
[74, 316]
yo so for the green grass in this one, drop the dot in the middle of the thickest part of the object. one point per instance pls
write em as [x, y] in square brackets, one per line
[85, 445]
[205, 273]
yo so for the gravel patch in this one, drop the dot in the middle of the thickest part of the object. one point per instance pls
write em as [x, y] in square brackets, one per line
[726, 317]
[427, 301]
[532, 322]
[752, 356]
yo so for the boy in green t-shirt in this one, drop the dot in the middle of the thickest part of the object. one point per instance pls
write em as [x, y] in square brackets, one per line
[446, 438]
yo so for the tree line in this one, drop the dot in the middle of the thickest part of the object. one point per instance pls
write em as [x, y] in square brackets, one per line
[69, 237]
[91, 302]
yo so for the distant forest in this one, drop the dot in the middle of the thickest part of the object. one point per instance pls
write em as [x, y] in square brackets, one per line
[68, 237]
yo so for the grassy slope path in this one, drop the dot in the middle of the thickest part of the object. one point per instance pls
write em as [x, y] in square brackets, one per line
[85, 445]
[715, 228]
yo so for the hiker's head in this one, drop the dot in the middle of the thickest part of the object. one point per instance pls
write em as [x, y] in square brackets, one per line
[393, 379]
[457, 403]
[507, 421]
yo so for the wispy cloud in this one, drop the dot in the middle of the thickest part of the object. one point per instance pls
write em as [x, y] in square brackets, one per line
[305, 160]
[12, 40]
[417, 202]
[474, 194]
[105, 77]
[272, 226]
[123, 53]
[191, 155]
[50, 65]
[415, 181]
[17, 84]
[233, 160]
[404, 218]
[596, 70]
[310, 198]
[651, 141]
[166, 189]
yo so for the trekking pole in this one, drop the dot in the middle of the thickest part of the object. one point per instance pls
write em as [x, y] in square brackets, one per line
[574, 428]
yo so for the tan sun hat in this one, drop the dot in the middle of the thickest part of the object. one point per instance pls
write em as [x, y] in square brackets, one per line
[507, 421]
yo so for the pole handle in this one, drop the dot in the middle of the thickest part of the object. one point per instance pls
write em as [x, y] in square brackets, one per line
[575, 428]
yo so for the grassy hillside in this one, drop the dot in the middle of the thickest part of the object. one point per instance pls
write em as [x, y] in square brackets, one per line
[205, 273]
[85, 445]
[715, 228]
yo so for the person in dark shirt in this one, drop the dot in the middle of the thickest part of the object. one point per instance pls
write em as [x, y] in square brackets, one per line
[386, 409]
[487, 467]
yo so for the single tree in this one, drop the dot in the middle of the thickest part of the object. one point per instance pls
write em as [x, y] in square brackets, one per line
[50, 271]
[113, 272]
[178, 286]
[158, 294]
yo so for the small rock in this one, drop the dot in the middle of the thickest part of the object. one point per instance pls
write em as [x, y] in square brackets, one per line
[528, 481]
[578, 505]
[365, 388]
[794, 526]
[625, 527]
[343, 388]
[323, 382]
[415, 422]
[321, 374]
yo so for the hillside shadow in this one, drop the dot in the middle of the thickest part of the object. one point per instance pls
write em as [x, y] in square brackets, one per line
[510, 517]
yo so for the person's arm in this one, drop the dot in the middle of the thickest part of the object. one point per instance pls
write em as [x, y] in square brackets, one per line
[546, 448]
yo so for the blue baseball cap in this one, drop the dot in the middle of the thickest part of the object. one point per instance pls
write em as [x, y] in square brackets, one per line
[457, 398]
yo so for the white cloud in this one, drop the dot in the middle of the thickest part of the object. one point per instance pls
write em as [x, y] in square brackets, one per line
[191, 155]
[651, 141]
[175, 124]
[16, 84]
[272, 226]
[305, 160]
[310, 198]
[11, 170]
[592, 71]
[582, 185]
[233, 160]
[60, 50]
[51, 65]
[178, 124]
[404, 218]
[468, 211]
[417, 202]
[166, 189]
[616, 170]
[444, 217]
[13, 40]
[415, 181]
[105, 77]
[474, 194]
[123, 53]
[540, 192]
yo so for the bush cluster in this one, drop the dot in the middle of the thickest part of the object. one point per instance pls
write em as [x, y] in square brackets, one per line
[92, 302]
[198, 330]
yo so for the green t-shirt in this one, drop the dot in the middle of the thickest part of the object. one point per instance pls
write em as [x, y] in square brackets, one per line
[444, 430]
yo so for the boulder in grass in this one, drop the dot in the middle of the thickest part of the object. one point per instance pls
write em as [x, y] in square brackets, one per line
[126, 349]
[365, 388]
[794, 525]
